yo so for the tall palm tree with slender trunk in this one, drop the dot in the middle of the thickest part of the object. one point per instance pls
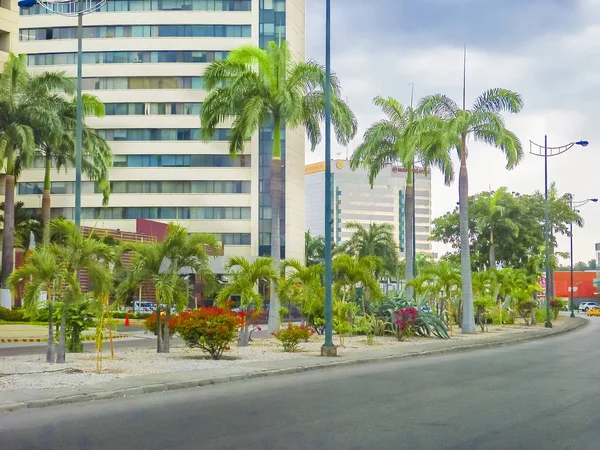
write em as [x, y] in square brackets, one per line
[27, 103]
[263, 88]
[452, 126]
[57, 148]
[398, 139]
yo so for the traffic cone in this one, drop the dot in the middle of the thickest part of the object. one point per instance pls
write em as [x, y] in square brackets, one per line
[127, 320]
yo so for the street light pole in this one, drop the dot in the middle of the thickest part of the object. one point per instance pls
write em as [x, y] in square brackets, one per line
[545, 152]
[328, 349]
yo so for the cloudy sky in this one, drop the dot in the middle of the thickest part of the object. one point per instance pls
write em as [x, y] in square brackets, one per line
[547, 50]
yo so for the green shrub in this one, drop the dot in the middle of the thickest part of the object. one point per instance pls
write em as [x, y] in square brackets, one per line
[209, 329]
[365, 325]
[540, 314]
[139, 316]
[507, 318]
[524, 308]
[483, 309]
[291, 336]
[79, 319]
[14, 315]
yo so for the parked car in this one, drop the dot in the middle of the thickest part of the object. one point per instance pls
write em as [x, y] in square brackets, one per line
[593, 311]
[583, 307]
[143, 307]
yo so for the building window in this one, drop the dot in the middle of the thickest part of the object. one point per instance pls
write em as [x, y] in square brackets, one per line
[164, 134]
[112, 83]
[49, 59]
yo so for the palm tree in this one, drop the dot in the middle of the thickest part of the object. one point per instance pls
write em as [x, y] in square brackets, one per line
[27, 103]
[308, 280]
[495, 217]
[349, 271]
[263, 88]
[451, 127]
[376, 240]
[446, 281]
[26, 224]
[398, 140]
[314, 249]
[79, 254]
[58, 146]
[245, 277]
[41, 273]
[161, 264]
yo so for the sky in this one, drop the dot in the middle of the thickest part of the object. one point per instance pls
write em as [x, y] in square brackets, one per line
[546, 50]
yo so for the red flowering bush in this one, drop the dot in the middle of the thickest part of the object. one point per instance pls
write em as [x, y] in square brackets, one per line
[209, 329]
[406, 320]
[291, 336]
[150, 322]
[557, 305]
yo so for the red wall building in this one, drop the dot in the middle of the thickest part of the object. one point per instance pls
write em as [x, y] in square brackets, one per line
[583, 281]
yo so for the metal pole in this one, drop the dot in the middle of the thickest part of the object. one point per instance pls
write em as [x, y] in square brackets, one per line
[546, 229]
[79, 126]
[328, 349]
[572, 278]
[414, 221]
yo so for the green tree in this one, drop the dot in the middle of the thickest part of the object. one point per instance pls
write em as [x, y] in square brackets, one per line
[245, 277]
[57, 147]
[41, 274]
[268, 88]
[26, 224]
[314, 249]
[592, 264]
[308, 281]
[27, 103]
[376, 240]
[484, 123]
[397, 140]
[446, 280]
[350, 272]
[495, 217]
[161, 264]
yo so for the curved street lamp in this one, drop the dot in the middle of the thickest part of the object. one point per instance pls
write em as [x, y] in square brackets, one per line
[545, 152]
[575, 204]
[72, 8]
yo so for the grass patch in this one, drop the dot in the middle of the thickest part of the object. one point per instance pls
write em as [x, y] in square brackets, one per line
[37, 324]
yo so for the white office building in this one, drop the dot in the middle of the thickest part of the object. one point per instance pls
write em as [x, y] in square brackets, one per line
[354, 200]
[144, 59]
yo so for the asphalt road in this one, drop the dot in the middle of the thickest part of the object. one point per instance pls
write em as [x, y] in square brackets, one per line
[539, 395]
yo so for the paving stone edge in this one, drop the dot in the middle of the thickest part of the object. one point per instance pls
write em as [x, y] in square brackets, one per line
[172, 386]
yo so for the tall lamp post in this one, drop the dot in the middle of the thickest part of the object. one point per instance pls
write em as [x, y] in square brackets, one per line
[545, 152]
[328, 349]
[575, 204]
[73, 8]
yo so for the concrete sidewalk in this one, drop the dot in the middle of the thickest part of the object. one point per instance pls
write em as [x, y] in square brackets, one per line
[16, 400]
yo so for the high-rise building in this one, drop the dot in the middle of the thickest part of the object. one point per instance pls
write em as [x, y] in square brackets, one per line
[144, 59]
[353, 200]
[9, 27]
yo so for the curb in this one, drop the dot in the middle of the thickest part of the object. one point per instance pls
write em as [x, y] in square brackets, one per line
[178, 385]
[83, 339]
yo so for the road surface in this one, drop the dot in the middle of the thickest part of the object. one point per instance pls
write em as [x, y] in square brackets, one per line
[539, 395]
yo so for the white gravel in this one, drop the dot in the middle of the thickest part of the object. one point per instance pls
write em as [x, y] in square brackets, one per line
[31, 371]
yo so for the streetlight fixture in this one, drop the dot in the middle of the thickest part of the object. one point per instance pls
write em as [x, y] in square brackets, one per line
[575, 204]
[72, 8]
[545, 152]
[328, 349]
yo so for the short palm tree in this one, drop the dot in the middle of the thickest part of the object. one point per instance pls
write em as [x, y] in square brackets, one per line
[350, 272]
[451, 127]
[314, 249]
[161, 264]
[40, 273]
[398, 139]
[308, 281]
[446, 281]
[245, 277]
[375, 240]
[27, 103]
[57, 147]
[267, 88]
[495, 217]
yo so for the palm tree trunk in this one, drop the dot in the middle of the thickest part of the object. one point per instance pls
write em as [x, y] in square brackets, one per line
[276, 192]
[159, 344]
[492, 251]
[50, 353]
[61, 353]
[468, 318]
[409, 235]
[8, 234]
[244, 339]
[167, 332]
[46, 200]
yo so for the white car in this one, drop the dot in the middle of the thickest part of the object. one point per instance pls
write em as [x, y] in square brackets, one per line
[583, 307]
